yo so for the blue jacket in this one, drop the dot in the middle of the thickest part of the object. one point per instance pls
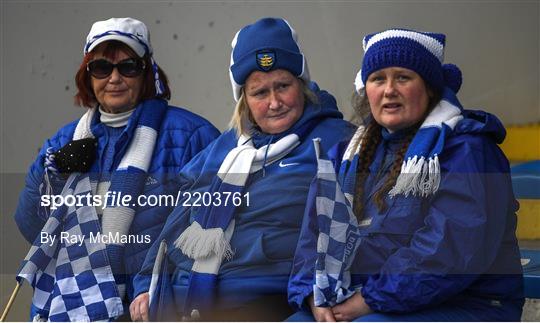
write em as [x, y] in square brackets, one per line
[458, 246]
[267, 230]
[182, 135]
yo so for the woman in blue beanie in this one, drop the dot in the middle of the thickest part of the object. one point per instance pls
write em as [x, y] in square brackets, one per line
[232, 261]
[423, 225]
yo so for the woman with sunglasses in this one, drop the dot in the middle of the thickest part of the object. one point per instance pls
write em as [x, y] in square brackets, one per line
[129, 141]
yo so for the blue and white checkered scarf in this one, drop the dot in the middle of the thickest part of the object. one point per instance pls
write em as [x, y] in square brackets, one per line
[338, 236]
[338, 227]
[75, 282]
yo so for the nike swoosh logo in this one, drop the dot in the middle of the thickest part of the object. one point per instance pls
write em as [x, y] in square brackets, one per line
[281, 164]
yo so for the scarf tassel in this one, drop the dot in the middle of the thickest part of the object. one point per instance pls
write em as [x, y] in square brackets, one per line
[418, 177]
[198, 243]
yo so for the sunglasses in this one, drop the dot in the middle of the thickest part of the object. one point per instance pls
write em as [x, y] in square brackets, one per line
[102, 68]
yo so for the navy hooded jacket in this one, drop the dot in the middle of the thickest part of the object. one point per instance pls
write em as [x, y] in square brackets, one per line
[457, 246]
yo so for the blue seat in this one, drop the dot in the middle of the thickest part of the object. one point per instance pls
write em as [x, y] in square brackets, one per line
[531, 272]
[526, 184]
[526, 180]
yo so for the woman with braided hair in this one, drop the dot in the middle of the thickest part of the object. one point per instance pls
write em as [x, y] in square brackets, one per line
[423, 225]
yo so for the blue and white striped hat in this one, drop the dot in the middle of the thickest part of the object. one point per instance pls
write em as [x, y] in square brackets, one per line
[268, 44]
[422, 52]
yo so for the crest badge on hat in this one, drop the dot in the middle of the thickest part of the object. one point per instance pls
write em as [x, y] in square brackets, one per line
[266, 60]
[268, 44]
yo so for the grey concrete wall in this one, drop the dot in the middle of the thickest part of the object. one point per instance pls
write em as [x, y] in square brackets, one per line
[496, 44]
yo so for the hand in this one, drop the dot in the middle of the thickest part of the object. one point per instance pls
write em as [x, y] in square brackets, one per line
[321, 314]
[351, 309]
[139, 308]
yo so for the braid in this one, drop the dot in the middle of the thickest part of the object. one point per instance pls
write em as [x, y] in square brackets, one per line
[369, 143]
[393, 174]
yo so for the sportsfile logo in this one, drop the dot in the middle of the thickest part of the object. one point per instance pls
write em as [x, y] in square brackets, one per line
[119, 199]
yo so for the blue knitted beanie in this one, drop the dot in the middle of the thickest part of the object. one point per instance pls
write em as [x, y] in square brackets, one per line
[422, 52]
[268, 44]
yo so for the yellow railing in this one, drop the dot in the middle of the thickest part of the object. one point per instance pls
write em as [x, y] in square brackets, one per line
[522, 143]
[528, 226]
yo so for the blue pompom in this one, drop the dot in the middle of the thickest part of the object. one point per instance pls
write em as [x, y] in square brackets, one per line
[452, 77]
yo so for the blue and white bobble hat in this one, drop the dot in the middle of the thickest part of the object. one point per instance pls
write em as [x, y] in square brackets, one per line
[422, 52]
[268, 44]
[129, 31]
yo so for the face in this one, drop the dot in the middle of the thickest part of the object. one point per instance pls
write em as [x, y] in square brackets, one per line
[116, 93]
[398, 97]
[275, 99]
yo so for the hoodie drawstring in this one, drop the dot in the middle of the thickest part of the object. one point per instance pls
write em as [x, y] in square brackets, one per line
[266, 154]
